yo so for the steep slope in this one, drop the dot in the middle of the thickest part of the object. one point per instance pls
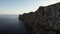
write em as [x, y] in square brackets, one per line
[45, 20]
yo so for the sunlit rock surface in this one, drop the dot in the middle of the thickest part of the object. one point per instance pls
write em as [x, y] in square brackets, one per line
[45, 20]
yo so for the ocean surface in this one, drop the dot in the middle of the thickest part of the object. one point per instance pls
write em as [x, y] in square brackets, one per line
[10, 24]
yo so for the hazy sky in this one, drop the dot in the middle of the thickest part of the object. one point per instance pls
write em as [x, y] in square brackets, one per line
[22, 6]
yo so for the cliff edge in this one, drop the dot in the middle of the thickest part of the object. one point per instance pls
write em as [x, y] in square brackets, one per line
[45, 20]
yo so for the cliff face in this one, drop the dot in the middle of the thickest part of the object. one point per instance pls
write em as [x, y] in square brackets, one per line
[45, 20]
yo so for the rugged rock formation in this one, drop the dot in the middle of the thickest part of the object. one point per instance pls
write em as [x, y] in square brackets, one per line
[45, 20]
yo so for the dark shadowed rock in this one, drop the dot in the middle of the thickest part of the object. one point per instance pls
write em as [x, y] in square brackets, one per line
[45, 20]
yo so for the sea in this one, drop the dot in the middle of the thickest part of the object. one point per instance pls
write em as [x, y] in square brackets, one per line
[10, 24]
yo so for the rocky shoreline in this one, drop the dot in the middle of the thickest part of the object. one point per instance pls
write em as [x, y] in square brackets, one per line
[45, 20]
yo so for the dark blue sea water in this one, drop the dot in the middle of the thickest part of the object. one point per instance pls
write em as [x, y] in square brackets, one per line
[10, 24]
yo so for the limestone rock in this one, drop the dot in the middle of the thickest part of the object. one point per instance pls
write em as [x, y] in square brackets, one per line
[45, 20]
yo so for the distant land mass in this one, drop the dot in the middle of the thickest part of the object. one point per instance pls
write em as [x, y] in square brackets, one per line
[45, 20]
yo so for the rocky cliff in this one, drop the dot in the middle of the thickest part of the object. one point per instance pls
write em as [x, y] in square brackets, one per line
[45, 20]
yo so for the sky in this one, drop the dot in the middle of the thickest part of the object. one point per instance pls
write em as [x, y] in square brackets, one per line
[15, 7]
